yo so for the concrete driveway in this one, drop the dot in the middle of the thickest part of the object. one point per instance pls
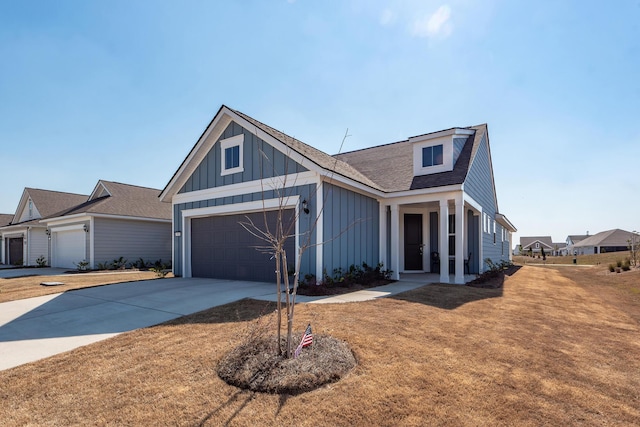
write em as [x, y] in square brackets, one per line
[35, 328]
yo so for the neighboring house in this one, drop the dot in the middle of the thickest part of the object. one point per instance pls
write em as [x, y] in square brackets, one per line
[536, 244]
[401, 204]
[606, 241]
[24, 239]
[572, 240]
[559, 249]
[116, 220]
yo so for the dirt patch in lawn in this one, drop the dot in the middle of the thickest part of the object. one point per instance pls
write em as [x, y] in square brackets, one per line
[542, 350]
[16, 288]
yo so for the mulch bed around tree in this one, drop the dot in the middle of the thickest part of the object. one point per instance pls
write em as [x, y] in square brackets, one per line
[255, 365]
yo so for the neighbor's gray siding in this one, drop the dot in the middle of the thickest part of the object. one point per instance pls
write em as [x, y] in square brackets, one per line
[260, 160]
[458, 145]
[479, 185]
[351, 229]
[306, 222]
[38, 246]
[132, 240]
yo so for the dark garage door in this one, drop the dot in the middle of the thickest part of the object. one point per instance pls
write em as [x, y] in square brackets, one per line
[221, 248]
[15, 251]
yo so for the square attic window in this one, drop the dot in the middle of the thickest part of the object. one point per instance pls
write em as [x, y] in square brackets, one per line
[231, 155]
[432, 156]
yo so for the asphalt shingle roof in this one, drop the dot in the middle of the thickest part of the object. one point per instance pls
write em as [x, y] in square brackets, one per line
[615, 237]
[5, 219]
[318, 157]
[391, 165]
[527, 241]
[125, 200]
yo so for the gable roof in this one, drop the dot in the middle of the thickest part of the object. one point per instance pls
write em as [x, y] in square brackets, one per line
[527, 242]
[48, 203]
[114, 198]
[385, 168]
[615, 237]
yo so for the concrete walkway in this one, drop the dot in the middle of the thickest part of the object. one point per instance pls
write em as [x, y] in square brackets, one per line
[35, 328]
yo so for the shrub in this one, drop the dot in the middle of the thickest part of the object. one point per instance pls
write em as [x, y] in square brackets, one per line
[83, 265]
[119, 264]
[619, 263]
[41, 261]
[103, 265]
[161, 271]
[612, 268]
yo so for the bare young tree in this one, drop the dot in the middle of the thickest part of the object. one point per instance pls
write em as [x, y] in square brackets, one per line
[274, 240]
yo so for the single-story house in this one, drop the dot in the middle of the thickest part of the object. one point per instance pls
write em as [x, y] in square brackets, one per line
[116, 220]
[24, 239]
[572, 240]
[536, 244]
[615, 240]
[425, 204]
[559, 249]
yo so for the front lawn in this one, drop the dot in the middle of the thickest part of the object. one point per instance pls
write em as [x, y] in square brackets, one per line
[542, 350]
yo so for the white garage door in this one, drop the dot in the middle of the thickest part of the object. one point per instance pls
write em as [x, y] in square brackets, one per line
[69, 248]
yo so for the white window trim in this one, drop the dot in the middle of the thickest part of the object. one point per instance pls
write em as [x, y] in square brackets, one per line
[237, 140]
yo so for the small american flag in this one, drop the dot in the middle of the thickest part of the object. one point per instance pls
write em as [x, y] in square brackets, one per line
[307, 340]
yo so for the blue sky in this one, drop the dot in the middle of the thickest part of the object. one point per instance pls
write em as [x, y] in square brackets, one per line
[121, 90]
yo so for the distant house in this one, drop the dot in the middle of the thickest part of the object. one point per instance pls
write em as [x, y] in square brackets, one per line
[24, 239]
[606, 241]
[572, 240]
[116, 220]
[535, 245]
[425, 204]
[559, 249]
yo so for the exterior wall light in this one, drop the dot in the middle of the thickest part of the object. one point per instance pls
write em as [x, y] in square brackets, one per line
[305, 206]
[85, 227]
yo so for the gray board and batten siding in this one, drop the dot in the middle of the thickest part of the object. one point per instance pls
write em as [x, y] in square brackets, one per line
[260, 161]
[351, 229]
[480, 186]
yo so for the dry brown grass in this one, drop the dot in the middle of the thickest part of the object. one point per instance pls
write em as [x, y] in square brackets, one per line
[27, 287]
[542, 350]
[596, 259]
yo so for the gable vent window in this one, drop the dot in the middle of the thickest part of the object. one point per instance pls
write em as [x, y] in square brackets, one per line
[231, 155]
[432, 156]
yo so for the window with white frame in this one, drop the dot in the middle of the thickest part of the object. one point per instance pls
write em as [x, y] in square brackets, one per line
[231, 155]
[432, 156]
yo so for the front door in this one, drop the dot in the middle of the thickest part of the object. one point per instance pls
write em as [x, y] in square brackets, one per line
[413, 242]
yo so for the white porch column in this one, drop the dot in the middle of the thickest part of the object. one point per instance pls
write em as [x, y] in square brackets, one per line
[383, 236]
[460, 235]
[395, 242]
[444, 241]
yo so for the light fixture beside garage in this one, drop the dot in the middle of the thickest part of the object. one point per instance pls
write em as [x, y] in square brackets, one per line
[305, 206]
[85, 227]
[48, 232]
[177, 233]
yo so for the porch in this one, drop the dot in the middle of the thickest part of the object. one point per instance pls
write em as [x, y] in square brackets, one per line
[438, 236]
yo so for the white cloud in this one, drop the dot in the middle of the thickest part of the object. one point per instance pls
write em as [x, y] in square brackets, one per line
[437, 24]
